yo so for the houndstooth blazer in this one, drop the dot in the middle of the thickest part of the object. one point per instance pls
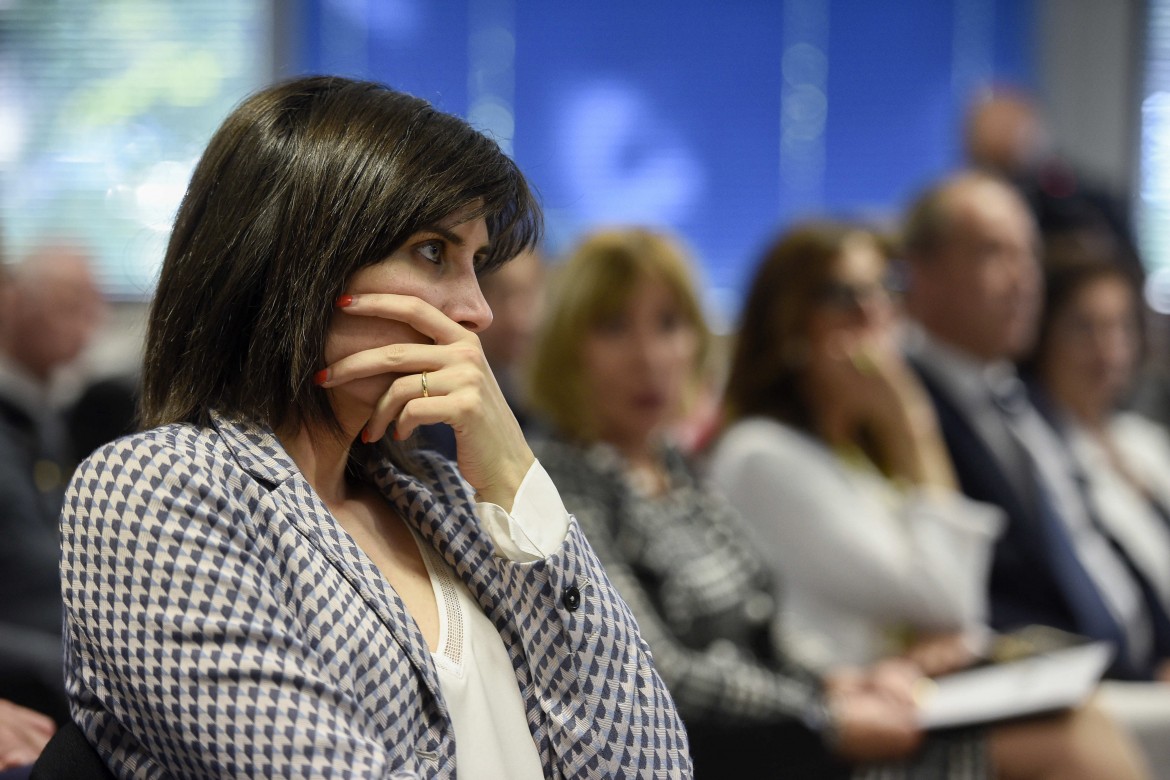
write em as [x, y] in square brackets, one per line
[220, 623]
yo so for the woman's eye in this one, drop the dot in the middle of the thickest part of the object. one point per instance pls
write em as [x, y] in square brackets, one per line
[432, 251]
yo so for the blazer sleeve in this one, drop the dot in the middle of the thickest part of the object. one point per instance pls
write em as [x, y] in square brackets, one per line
[921, 557]
[590, 682]
[607, 709]
[182, 659]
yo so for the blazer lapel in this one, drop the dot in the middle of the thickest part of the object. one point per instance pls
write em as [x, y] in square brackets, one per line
[979, 471]
[439, 507]
[259, 453]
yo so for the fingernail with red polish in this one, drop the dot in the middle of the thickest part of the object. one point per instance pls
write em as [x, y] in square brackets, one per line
[365, 436]
[344, 300]
[321, 377]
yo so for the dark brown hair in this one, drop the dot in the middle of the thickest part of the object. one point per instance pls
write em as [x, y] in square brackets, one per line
[771, 347]
[305, 183]
[1065, 276]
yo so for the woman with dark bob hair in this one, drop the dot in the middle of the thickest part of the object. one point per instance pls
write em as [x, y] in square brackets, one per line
[259, 585]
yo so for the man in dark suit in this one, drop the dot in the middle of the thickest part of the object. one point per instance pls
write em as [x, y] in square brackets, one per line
[974, 290]
[49, 307]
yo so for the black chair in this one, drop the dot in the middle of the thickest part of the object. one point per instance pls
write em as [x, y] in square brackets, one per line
[69, 755]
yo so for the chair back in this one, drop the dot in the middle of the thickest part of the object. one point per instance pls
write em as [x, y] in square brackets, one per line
[69, 754]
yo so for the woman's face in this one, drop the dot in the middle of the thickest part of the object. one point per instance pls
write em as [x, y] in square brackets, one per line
[638, 365]
[853, 303]
[438, 265]
[1092, 346]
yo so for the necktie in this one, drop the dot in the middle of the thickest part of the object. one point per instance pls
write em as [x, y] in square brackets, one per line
[1159, 621]
[1092, 614]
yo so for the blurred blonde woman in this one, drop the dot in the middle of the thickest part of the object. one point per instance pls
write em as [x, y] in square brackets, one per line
[620, 352]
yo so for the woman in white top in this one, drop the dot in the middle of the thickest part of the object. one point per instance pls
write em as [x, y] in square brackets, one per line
[1084, 362]
[833, 454]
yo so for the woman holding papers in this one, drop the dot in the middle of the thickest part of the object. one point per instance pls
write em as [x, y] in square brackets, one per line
[832, 455]
[819, 394]
[613, 367]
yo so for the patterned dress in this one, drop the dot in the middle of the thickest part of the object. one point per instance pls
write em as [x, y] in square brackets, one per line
[706, 605]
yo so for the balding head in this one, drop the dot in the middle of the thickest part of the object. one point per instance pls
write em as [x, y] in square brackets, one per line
[515, 293]
[52, 307]
[975, 280]
[1004, 133]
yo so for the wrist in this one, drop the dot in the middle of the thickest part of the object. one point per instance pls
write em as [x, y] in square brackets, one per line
[502, 490]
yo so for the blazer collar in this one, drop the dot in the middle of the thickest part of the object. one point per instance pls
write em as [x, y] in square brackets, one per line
[256, 449]
[259, 452]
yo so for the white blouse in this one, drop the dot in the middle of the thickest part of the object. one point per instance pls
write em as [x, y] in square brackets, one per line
[492, 740]
[861, 560]
[1144, 448]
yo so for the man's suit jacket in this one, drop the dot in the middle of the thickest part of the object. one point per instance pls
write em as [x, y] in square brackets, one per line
[30, 593]
[219, 622]
[1028, 585]
[1024, 585]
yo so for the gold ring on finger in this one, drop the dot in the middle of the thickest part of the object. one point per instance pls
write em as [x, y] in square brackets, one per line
[426, 389]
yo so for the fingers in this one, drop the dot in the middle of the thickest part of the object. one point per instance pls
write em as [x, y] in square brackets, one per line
[896, 679]
[408, 309]
[23, 734]
[844, 679]
[453, 394]
[873, 728]
[397, 359]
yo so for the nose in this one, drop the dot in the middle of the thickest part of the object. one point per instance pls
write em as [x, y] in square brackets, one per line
[870, 310]
[1024, 270]
[466, 305]
[1115, 343]
[652, 350]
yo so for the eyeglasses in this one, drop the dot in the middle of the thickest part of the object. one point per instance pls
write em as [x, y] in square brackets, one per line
[849, 297]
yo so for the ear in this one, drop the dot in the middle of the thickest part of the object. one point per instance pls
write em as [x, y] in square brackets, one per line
[9, 297]
[11, 310]
[918, 284]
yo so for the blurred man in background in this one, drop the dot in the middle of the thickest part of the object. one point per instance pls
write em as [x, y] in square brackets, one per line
[1006, 135]
[50, 308]
[515, 294]
[974, 289]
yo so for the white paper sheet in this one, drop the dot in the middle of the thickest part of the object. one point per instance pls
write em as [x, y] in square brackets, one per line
[1052, 681]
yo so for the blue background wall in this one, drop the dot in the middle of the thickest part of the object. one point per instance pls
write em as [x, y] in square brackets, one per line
[723, 122]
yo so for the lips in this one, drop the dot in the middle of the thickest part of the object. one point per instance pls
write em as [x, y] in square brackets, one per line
[649, 401]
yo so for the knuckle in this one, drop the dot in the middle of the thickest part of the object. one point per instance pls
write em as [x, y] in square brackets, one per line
[469, 353]
[466, 404]
[393, 353]
[416, 308]
[466, 375]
